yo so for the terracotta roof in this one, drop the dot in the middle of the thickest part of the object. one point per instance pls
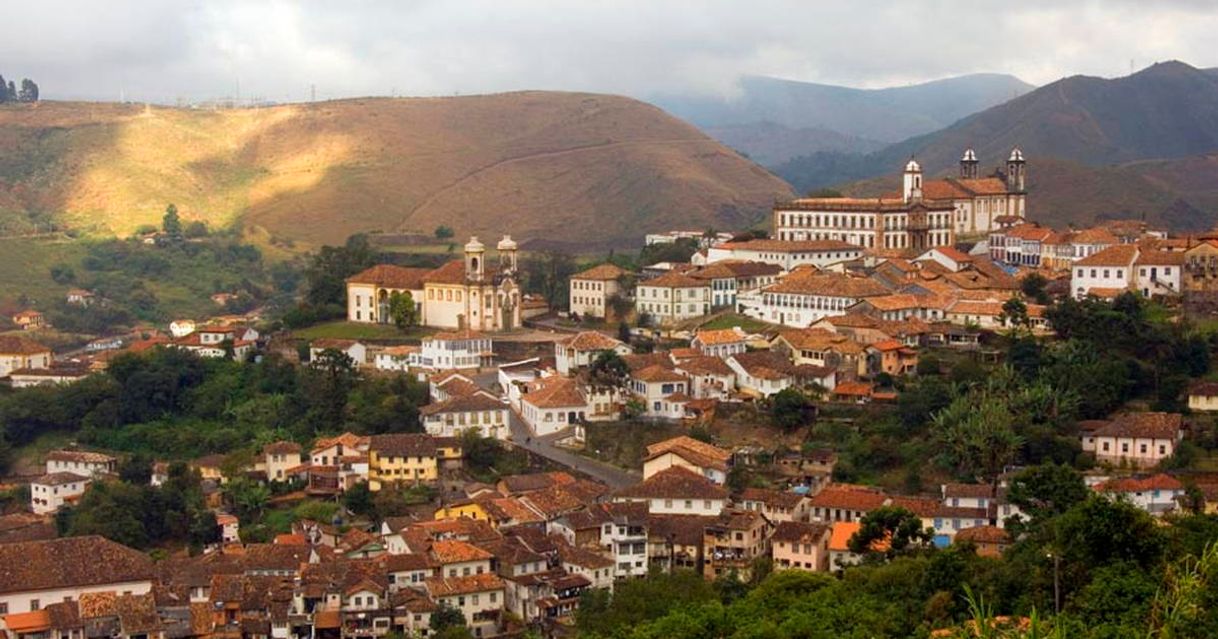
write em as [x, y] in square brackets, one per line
[982, 186]
[601, 272]
[1119, 255]
[819, 339]
[281, 448]
[1144, 426]
[1028, 232]
[854, 389]
[79, 456]
[954, 254]
[1161, 258]
[583, 557]
[1161, 481]
[705, 365]
[348, 440]
[790, 246]
[28, 622]
[849, 497]
[591, 341]
[555, 501]
[454, 273]
[765, 365]
[726, 269]
[839, 538]
[920, 506]
[984, 535]
[696, 451]
[801, 532]
[455, 551]
[137, 614]
[1204, 388]
[446, 586]
[893, 203]
[403, 445]
[657, 373]
[720, 336]
[673, 279]
[68, 563]
[1105, 292]
[59, 479]
[772, 498]
[15, 345]
[518, 484]
[558, 392]
[469, 403]
[674, 483]
[638, 361]
[828, 284]
[455, 336]
[1093, 236]
[970, 491]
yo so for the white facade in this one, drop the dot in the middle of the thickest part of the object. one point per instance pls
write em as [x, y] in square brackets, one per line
[50, 492]
[673, 298]
[787, 254]
[446, 351]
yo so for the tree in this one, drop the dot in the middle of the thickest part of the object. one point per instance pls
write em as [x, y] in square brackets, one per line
[825, 193]
[358, 500]
[547, 275]
[978, 438]
[63, 274]
[29, 91]
[136, 469]
[196, 229]
[609, 370]
[1033, 288]
[246, 497]
[12, 91]
[790, 409]
[444, 232]
[623, 332]
[1047, 490]
[3, 90]
[171, 224]
[446, 616]
[1014, 314]
[402, 310]
[900, 528]
[327, 386]
[329, 269]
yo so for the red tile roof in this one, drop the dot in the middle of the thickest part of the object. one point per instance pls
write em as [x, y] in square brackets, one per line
[1119, 255]
[674, 483]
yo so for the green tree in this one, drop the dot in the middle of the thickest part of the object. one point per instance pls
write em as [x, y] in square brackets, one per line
[246, 497]
[196, 229]
[898, 526]
[1014, 314]
[171, 224]
[1047, 490]
[446, 616]
[29, 91]
[328, 270]
[358, 500]
[444, 232]
[3, 90]
[790, 409]
[402, 310]
[623, 332]
[327, 385]
[547, 274]
[1033, 287]
[977, 438]
[609, 370]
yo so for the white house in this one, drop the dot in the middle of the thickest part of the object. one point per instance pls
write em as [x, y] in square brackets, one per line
[1104, 274]
[663, 391]
[786, 254]
[730, 279]
[683, 451]
[396, 358]
[1156, 495]
[949, 257]
[40, 573]
[1142, 440]
[554, 404]
[805, 296]
[80, 462]
[1160, 273]
[720, 342]
[50, 492]
[356, 350]
[583, 348]
[1203, 396]
[591, 290]
[673, 297]
[677, 491]
[18, 353]
[456, 350]
[477, 412]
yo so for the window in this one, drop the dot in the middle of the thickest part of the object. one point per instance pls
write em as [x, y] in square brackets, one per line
[35, 605]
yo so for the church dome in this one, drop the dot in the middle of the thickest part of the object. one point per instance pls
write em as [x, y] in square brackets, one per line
[913, 166]
[969, 155]
[1016, 155]
[474, 246]
[507, 244]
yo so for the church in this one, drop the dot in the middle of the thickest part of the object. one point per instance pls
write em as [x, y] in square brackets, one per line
[926, 214]
[465, 294]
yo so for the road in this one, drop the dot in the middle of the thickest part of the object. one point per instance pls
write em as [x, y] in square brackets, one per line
[521, 436]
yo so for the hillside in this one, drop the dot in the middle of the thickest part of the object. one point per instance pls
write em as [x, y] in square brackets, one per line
[821, 117]
[558, 167]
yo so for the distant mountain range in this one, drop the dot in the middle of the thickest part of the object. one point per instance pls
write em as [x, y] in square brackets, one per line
[1140, 145]
[773, 120]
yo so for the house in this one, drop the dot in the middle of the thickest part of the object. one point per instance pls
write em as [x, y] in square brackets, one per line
[18, 353]
[1141, 440]
[720, 342]
[229, 525]
[786, 253]
[181, 328]
[990, 541]
[989, 315]
[459, 558]
[370, 291]
[662, 390]
[672, 297]
[845, 502]
[479, 597]
[51, 491]
[761, 373]
[709, 377]
[396, 358]
[583, 348]
[80, 462]
[840, 555]
[1157, 494]
[79, 297]
[801, 545]
[595, 567]
[1203, 396]
[806, 296]
[623, 538]
[1160, 273]
[821, 347]
[733, 542]
[892, 357]
[555, 403]
[456, 350]
[949, 257]
[677, 491]
[731, 279]
[776, 505]
[57, 373]
[1104, 274]
[401, 458]
[338, 463]
[281, 460]
[591, 290]
[686, 452]
[354, 349]
[477, 412]
[29, 320]
[34, 574]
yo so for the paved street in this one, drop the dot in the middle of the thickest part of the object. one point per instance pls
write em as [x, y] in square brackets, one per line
[544, 446]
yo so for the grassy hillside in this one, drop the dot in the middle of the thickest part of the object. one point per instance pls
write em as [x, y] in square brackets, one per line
[565, 167]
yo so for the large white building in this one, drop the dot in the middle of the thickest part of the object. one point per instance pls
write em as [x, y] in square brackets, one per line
[591, 290]
[806, 296]
[673, 297]
[38, 573]
[461, 294]
[787, 254]
[927, 213]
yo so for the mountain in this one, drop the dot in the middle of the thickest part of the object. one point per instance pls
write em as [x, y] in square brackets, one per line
[823, 116]
[1136, 145]
[568, 169]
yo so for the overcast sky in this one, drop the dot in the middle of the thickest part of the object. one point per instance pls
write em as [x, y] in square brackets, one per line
[164, 50]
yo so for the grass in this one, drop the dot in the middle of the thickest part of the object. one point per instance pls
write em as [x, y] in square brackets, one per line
[625, 444]
[28, 459]
[356, 330]
[25, 266]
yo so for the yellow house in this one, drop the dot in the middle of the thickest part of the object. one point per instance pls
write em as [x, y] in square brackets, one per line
[449, 451]
[401, 458]
[462, 510]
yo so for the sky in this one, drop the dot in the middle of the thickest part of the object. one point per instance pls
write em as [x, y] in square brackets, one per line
[166, 51]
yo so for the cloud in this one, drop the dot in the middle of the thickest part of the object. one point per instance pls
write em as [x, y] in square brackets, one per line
[167, 51]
